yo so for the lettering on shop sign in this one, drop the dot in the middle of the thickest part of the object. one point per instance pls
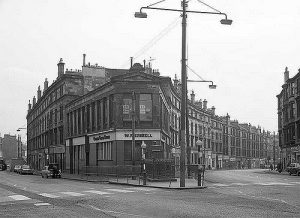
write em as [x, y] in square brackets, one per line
[144, 135]
[100, 138]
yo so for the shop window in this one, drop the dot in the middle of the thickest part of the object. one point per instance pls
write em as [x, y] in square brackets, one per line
[127, 150]
[104, 151]
[81, 151]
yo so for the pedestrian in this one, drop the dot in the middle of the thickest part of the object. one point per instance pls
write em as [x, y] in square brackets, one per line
[271, 167]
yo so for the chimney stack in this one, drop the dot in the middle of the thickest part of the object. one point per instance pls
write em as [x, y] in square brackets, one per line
[39, 93]
[83, 64]
[286, 75]
[61, 66]
[131, 62]
[200, 103]
[45, 85]
[29, 106]
[33, 101]
[213, 109]
[193, 97]
[205, 104]
[176, 82]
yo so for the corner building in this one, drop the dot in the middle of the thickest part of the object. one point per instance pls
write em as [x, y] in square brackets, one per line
[289, 118]
[100, 122]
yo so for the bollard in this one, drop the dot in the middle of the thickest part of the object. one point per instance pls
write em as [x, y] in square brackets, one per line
[144, 174]
[199, 175]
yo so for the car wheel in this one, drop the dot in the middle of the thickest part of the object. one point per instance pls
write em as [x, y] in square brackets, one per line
[42, 176]
[290, 173]
[47, 176]
[299, 173]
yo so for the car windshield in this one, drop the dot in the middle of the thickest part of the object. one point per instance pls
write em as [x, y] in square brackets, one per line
[53, 166]
[293, 165]
[25, 167]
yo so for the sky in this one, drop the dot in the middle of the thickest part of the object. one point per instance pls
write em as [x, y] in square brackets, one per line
[245, 60]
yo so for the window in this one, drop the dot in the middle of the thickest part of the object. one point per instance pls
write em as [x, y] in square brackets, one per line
[127, 150]
[104, 151]
[127, 107]
[93, 116]
[145, 107]
[61, 113]
[81, 151]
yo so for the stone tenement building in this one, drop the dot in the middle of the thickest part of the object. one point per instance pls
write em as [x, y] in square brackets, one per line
[85, 119]
[289, 118]
[46, 117]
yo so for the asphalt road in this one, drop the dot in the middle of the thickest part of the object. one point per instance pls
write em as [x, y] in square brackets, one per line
[234, 193]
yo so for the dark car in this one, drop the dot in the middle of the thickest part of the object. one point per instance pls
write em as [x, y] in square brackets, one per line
[17, 168]
[52, 170]
[294, 168]
[25, 169]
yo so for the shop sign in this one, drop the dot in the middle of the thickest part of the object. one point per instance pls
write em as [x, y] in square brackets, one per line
[139, 135]
[101, 137]
[226, 157]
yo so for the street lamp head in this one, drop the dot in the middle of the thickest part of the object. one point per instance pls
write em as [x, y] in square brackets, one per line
[140, 14]
[18, 130]
[226, 21]
[212, 86]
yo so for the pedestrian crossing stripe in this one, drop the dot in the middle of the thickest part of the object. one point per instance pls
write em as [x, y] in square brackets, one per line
[98, 192]
[49, 195]
[19, 197]
[72, 193]
[42, 204]
[120, 190]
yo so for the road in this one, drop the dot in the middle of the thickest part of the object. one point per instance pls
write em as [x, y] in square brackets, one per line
[233, 193]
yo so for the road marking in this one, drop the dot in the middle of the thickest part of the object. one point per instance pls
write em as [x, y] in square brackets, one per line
[220, 185]
[72, 193]
[49, 195]
[273, 183]
[42, 204]
[119, 190]
[19, 197]
[142, 189]
[241, 184]
[98, 192]
[295, 182]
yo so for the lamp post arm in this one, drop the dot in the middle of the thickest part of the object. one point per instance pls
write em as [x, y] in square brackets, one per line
[201, 81]
[188, 11]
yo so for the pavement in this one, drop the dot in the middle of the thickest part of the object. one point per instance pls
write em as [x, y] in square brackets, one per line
[129, 181]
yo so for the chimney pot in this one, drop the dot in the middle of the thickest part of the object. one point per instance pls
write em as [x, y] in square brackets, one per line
[286, 75]
[61, 66]
[193, 97]
[84, 55]
[205, 104]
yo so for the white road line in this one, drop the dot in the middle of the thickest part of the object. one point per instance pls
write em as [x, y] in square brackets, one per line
[142, 189]
[119, 190]
[19, 197]
[49, 195]
[72, 193]
[220, 185]
[295, 182]
[98, 192]
[241, 184]
[42, 204]
[273, 183]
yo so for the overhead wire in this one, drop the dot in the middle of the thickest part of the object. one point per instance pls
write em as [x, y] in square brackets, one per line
[209, 6]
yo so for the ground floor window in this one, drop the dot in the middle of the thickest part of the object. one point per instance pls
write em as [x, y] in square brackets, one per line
[104, 150]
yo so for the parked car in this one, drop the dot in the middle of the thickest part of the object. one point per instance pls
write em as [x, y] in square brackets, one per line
[52, 170]
[293, 168]
[25, 169]
[17, 168]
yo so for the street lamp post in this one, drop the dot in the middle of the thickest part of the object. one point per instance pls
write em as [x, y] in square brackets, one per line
[184, 12]
[143, 146]
[20, 142]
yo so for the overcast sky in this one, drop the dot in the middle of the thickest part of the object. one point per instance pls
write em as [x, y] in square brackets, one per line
[246, 60]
